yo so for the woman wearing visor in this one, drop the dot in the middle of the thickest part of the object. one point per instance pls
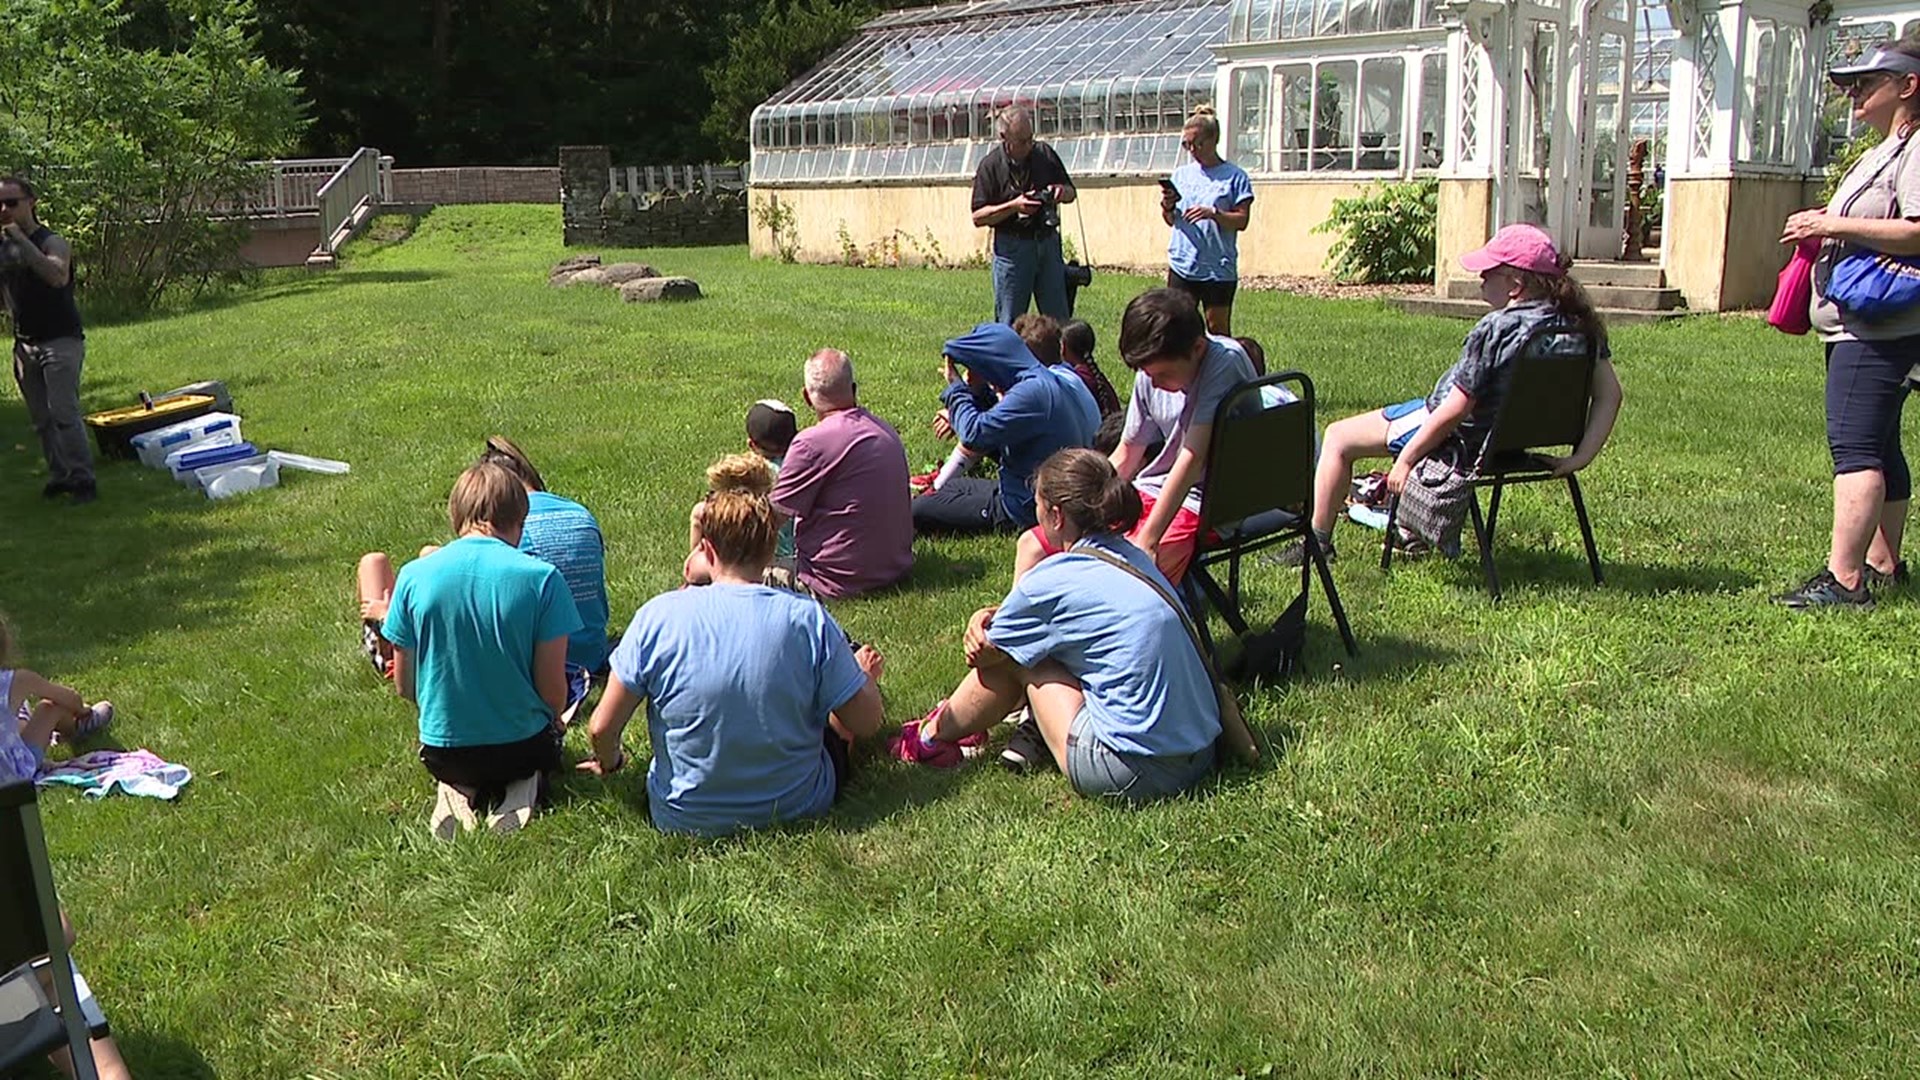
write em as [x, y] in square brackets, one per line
[1876, 207]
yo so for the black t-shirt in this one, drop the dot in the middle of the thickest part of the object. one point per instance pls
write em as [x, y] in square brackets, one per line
[998, 180]
[41, 312]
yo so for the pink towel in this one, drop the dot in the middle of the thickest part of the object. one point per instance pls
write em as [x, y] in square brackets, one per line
[1793, 295]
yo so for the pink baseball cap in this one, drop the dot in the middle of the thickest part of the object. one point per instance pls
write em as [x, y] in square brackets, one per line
[1524, 247]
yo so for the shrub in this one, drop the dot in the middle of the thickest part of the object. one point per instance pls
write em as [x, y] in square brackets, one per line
[1849, 156]
[1386, 233]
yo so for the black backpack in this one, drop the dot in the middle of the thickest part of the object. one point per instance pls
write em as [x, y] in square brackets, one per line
[1271, 654]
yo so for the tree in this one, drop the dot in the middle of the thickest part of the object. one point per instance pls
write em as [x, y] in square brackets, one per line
[765, 55]
[136, 133]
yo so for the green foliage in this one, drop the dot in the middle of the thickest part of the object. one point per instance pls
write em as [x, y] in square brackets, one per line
[763, 55]
[1386, 232]
[131, 143]
[778, 219]
[1849, 156]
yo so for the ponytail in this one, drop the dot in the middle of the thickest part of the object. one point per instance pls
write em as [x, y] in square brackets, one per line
[1082, 485]
[1569, 298]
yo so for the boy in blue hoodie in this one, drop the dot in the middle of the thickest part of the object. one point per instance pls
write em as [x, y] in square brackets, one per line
[1003, 402]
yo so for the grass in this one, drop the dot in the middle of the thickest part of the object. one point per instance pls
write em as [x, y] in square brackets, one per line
[1654, 828]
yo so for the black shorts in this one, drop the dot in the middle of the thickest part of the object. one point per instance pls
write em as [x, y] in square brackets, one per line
[1208, 293]
[482, 773]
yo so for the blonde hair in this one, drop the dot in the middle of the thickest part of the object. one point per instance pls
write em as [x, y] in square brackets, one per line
[747, 473]
[742, 528]
[1202, 117]
[502, 452]
[487, 493]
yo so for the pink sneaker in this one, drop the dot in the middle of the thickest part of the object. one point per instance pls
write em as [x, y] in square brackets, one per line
[97, 718]
[911, 748]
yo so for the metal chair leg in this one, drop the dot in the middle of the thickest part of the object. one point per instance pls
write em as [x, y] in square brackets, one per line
[1197, 604]
[1493, 509]
[1319, 559]
[1586, 527]
[1386, 549]
[1484, 535]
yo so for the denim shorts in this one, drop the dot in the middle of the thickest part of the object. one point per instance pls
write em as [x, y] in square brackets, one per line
[1096, 770]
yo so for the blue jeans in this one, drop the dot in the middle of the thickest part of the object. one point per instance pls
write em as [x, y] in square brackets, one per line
[1028, 268]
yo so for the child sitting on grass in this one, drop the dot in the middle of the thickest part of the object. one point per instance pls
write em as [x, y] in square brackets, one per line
[479, 632]
[1524, 280]
[40, 712]
[771, 427]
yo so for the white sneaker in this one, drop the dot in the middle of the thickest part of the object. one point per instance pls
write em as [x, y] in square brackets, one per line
[517, 809]
[452, 814]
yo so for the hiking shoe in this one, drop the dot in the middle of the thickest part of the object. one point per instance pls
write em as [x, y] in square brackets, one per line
[1824, 590]
[516, 809]
[81, 494]
[914, 749]
[1881, 579]
[1295, 554]
[1026, 751]
[452, 814]
[54, 489]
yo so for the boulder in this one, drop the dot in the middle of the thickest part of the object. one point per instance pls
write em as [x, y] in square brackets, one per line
[592, 275]
[621, 273]
[564, 270]
[660, 288]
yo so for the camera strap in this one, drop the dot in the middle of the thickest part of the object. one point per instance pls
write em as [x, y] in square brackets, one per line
[1086, 254]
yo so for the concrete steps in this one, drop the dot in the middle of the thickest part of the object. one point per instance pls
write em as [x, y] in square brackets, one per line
[1621, 292]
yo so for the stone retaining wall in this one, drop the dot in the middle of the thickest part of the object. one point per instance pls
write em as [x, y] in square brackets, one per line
[476, 184]
[592, 213]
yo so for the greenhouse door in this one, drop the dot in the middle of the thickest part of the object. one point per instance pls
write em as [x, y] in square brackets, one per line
[1606, 72]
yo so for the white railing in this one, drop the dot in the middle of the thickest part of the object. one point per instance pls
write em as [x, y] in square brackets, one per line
[354, 185]
[292, 186]
[647, 179]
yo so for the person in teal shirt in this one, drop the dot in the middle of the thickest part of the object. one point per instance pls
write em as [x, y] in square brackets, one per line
[480, 633]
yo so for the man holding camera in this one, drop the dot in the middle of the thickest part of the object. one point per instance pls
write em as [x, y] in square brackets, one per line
[36, 282]
[1017, 192]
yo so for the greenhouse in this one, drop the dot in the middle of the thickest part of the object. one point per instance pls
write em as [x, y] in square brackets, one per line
[1519, 110]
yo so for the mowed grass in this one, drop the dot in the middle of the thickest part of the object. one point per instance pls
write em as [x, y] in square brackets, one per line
[1654, 828]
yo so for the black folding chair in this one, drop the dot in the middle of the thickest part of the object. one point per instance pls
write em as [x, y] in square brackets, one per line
[1546, 407]
[1259, 492]
[31, 939]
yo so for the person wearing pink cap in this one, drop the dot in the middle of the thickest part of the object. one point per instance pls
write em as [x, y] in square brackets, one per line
[1524, 279]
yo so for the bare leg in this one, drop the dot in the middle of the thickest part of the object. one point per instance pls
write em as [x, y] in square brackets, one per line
[1858, 499]
[106, 1060]
[1220, 319]
[1346, 442]
[983, 699]
[695, 570]
[1884, 552]
[1056, 698]
[428, 549]
[375, 578]
[694, 519]
[42, 722]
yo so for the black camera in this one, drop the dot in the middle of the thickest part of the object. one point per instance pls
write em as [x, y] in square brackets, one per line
[1044, 196]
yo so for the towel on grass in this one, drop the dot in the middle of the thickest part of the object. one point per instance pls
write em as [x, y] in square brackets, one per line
[136, 772]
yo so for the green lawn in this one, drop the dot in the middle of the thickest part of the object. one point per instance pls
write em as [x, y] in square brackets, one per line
[1654, 828]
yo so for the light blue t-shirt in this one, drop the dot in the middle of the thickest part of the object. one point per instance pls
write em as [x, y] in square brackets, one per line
[564, 533]
[471, 614]
[739, 680]
[1146, 689]
[1202, 250]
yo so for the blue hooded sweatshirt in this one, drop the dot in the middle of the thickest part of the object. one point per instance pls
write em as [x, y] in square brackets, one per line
[1040, 410]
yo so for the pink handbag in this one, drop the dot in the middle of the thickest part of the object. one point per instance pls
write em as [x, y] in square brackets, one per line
[1793, 295]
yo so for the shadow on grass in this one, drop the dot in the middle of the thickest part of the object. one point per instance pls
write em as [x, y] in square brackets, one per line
[1536, 569]
[161, 1056]
[935, 569]
[143, 560]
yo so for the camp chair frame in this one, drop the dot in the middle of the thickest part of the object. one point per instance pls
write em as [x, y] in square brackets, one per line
[29, 931]
[1259, 492]
[1547, 402]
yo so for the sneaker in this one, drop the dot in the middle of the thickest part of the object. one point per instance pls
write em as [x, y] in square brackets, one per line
[972, 746]
[516, 809]
[921, 483]
[1295, 553]
[81, 494]
[1027, 751]
[97, 718]
[1824, 590]
[909, 746]
[452, 814]
[54, 489]
[1881, 579]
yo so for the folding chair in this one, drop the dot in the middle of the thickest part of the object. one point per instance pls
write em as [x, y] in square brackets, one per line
[30, 938]
[1259, 492]
[1546, 406]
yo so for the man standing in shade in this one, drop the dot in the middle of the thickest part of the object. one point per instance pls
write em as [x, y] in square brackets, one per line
[36, 283]
[1017, 192]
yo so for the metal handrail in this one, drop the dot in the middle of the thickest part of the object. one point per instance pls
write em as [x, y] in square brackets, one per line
[355, 183]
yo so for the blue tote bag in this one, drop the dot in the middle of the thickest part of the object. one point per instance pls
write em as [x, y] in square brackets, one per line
[1872, 285]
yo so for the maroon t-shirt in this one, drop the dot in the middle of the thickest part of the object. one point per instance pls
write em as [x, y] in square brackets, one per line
[844, 481]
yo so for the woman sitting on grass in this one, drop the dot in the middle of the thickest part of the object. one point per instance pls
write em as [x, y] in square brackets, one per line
[479, 633]
[1121, 701]
[1525, 281]
[753, 694]
[39, 711]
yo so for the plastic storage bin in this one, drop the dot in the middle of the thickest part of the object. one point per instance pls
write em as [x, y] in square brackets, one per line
[223, 437]
[186, 465]
[114, 429]
[224, 481]
[152, 447]
[309, 464]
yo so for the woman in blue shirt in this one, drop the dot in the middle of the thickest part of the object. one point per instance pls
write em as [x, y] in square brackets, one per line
[1208, 202]
[1114, 682]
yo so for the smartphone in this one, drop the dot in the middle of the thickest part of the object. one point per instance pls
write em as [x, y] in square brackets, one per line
[1166, 185]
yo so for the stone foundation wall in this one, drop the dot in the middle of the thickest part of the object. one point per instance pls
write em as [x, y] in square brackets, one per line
[482, 184]
[593, 214]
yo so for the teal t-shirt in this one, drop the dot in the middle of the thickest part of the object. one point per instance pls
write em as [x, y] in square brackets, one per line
[564, 533]
[471, 614]
[783, 550]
